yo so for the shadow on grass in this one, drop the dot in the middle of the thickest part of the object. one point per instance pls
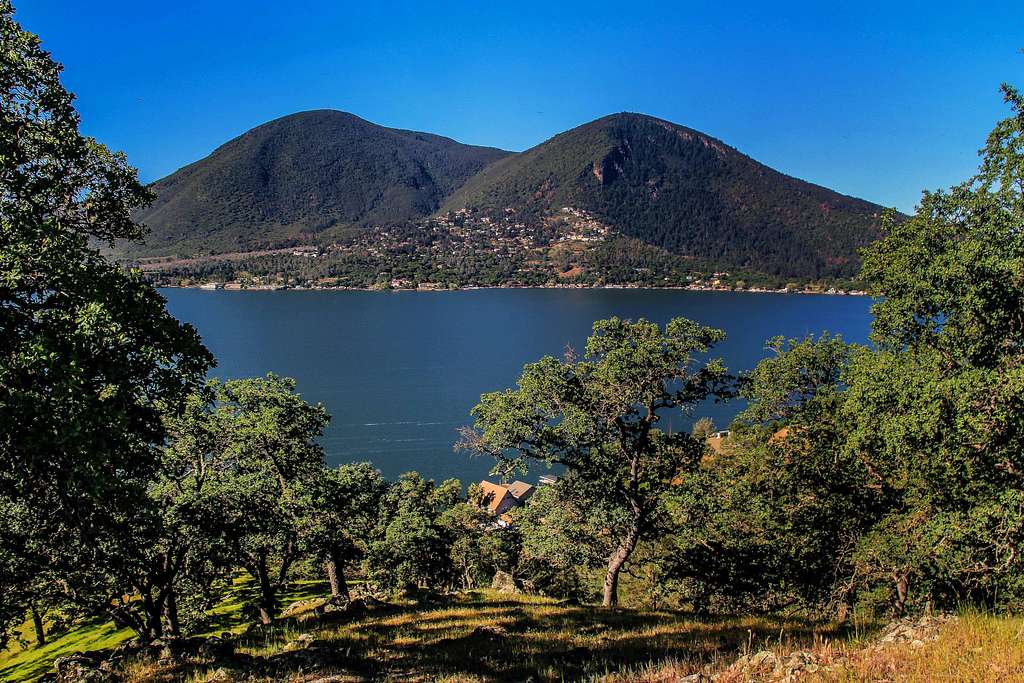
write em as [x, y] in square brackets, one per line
[484, 636]
[95, 634]
[510, 639]
[100, 633]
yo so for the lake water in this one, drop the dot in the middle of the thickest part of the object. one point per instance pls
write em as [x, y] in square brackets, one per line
[399, 371]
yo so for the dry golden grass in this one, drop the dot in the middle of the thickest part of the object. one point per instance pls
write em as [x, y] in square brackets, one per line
[974, 648]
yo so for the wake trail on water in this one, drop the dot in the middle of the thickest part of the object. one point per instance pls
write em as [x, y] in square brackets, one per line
[387, 424]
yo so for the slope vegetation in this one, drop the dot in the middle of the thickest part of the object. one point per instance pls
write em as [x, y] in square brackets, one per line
[686, 192]
[301, 175]
[322, 176]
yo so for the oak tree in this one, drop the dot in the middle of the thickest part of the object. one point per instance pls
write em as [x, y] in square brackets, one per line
[89, 356]
[601, 417]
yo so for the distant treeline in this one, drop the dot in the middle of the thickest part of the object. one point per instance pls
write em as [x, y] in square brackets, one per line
[439, 258]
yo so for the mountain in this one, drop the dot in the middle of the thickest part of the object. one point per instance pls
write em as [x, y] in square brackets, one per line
[304, 175]
[682, 191]
[657, 193]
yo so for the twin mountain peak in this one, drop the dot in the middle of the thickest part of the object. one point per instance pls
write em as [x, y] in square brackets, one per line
[317, 176]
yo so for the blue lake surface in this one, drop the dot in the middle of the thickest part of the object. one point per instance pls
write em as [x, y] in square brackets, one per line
[399, 371]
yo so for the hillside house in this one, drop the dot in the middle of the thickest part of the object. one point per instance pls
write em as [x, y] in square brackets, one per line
[498, 499]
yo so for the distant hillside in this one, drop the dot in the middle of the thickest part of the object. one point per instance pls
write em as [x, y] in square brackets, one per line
[301, 175]
[683, 191]
[321, 177]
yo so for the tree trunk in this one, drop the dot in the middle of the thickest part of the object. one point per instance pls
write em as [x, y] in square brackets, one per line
[615, 564]
[154, 623]
[123, 618]
[267, 602]
[336, 575]
[342, 583]
[171, 612]
[902, 591]
[289, 555]
[331, 567]
[37, 624]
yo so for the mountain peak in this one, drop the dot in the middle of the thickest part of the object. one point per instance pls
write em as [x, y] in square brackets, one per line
[683, 191]
[630, 117]
[321, 114]
[301, 174]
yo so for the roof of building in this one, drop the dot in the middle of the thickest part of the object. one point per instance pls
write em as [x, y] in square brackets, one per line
[520, 489]
[494, 495]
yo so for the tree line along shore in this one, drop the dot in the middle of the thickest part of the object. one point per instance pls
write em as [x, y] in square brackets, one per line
[437, 287]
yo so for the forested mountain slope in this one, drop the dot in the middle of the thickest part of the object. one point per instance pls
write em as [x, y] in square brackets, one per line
[301, 175]
[679, 189]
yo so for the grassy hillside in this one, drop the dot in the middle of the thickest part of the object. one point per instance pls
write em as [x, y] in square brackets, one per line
[476, 636]
[485, 636]
[30, 662]
[21, 663]
[977, 647]
[301, 175]
[684, 191]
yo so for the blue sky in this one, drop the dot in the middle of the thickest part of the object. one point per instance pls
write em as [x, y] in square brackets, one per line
[870, 99]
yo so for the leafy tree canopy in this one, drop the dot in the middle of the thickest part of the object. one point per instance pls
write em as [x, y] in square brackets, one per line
[599, 417]
[89, 356]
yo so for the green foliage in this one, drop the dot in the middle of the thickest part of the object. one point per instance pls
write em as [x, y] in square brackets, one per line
[89, 357]
[476, 551]
[268, 450]
[939, 407]
[683, 191]
[237, 489]
[896, 481]
[564, 532]
[337, 514]
[412, 548]
[801, 381]
[598, 417]
[773, 518]
[304, 175]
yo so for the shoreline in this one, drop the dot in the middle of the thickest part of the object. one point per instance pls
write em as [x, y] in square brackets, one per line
[276, 288]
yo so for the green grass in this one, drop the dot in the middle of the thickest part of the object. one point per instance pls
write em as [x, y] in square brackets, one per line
[227, 616]
[32, 662]
[538, 637]
[24, 664]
